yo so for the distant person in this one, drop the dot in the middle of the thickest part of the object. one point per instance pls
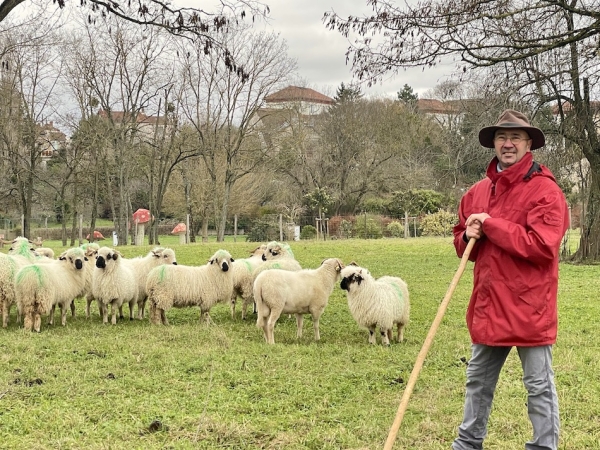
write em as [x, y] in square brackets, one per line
[518, 215]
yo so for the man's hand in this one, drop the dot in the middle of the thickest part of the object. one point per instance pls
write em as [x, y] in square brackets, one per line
[474, 225]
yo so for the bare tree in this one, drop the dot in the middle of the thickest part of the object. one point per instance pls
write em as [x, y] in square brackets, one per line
[118, 73]
[221, 107]
[195, 23]
[28, 77]
[546, 51]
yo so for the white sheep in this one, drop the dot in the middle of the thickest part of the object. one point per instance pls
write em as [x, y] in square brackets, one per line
[277, 256]
[20, 254]
[45, 251]
[113, 283]
[91, 251]
[142, 266]
[41, 286]
[305, 291]
[179, 286]
[276, 250]
[243, 279]
[373, 303]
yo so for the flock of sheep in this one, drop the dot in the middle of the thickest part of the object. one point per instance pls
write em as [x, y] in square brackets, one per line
[270, 279]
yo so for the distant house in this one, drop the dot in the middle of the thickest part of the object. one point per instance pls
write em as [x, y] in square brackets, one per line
[290, 111]
[144, 124]
[307, 101]
[50, 140]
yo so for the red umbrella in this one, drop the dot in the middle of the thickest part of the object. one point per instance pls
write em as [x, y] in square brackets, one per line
[97, 236]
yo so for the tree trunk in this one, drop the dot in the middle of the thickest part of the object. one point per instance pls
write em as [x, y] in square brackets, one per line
[224, 209]
[205, 229]
[589, 245]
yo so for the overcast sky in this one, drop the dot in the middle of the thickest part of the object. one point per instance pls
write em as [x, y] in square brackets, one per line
[320, 53]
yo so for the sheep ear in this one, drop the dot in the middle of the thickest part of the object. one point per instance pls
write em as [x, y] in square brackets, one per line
[232, 260]
[115, 256]
[62, 258]
[353, 264]
[85, 258]
[210, 261]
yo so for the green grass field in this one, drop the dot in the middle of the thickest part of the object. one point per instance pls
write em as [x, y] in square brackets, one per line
[193, 386]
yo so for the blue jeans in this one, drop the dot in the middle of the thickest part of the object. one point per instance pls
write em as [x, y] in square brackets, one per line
[542, 401]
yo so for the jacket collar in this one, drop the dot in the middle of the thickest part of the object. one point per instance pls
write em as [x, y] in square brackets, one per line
[514, 173]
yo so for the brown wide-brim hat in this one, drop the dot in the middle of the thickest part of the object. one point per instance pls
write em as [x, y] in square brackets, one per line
[512, 119]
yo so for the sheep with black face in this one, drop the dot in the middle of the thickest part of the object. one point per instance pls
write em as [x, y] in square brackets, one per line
[114, 284]
[373, 303]
[41, 286]
[179, 286]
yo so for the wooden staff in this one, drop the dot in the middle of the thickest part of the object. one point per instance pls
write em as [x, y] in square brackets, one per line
[425, 348]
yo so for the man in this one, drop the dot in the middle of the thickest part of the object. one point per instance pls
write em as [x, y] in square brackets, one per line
[518, 215]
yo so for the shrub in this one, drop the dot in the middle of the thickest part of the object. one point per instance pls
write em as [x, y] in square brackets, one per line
[308, 232]
[395, 229]
[368, 227]
[438, 224]
[345, 229]
[262, 231]
[341, 226]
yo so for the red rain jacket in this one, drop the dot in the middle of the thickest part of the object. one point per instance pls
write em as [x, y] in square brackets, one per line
[516, 262]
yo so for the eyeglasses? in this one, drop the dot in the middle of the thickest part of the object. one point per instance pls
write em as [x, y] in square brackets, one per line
[514, 139]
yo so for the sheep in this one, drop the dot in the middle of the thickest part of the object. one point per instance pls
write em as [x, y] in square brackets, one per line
[381, 302]
[41, 286]
[20, 254]
[91, 251]
[243, 279]
[178, 286]
[277, 256]
[45, 251]
[305, 291]
[142, 266]
[276, 250]
[113, 283]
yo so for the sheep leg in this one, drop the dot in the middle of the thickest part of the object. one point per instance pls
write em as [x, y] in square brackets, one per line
[131, 303]
[316, 327]
[232, 306]
[103, 312]
[271, 321]
[205, 317]
[141, 304]
[154, 314]
[299, 323]
[72, 305]
[400, 335]
[372, 338]
[385, 336]
[51, 315]
[245, 307]
[5, 313]
[88, 302]
[29, 318]
[113, 312]
[37, 322]
[163, 317]
[63, 314]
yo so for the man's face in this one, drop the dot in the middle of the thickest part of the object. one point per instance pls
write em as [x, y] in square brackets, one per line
[511, 145]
